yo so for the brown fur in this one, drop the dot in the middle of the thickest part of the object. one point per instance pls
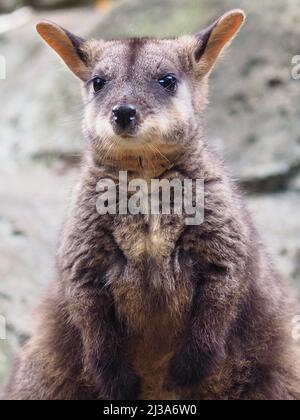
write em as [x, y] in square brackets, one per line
[145, 307]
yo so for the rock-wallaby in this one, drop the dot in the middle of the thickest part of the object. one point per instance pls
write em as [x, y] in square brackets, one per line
[145, 306]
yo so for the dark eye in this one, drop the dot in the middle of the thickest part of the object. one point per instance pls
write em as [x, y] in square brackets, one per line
[98, 83]
[169, 83]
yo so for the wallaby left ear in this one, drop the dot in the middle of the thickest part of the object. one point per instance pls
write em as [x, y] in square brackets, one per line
[68, 46]
[212, 40]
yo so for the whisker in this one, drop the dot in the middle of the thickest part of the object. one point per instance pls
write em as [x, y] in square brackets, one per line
[159, 152]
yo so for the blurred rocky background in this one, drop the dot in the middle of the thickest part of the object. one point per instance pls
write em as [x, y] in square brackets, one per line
[254, 118]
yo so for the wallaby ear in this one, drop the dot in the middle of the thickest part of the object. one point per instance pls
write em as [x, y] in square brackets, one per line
[212, 40]
[68, 46]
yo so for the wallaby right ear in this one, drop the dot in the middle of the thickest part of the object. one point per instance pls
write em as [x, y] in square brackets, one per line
[212, 41]
[68, 46]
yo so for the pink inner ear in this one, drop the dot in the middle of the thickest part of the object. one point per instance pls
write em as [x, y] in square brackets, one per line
[216, 37]
[60, 42]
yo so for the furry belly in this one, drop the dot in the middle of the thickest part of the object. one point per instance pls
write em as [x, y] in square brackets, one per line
[154, 301]
[150, 354]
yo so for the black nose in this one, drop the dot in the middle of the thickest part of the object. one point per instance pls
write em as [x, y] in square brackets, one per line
[124, 116]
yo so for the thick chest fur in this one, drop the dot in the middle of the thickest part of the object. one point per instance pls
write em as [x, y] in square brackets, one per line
[148, 237]
[152, 283]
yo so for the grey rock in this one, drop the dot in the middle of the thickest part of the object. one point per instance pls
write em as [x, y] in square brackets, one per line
[9, 5]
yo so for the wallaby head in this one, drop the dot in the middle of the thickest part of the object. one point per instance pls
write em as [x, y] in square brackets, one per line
[143, 95]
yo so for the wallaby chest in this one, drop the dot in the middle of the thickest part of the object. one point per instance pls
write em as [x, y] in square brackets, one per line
[148, 237]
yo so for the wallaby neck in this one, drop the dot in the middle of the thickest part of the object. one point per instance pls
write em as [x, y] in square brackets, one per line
[143, 164]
